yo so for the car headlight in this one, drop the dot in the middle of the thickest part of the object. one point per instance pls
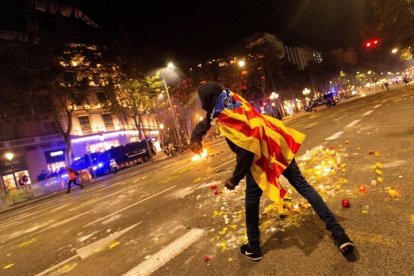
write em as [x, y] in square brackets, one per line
[95, 168]
[100, 165]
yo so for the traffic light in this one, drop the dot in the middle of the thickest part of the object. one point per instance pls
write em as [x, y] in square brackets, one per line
[372, 43]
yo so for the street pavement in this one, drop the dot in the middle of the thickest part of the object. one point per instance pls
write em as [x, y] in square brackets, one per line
[169, 219]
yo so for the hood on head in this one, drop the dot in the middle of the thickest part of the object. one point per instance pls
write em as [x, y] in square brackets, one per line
[208, 94]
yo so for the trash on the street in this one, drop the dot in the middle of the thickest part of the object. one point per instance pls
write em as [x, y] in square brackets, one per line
[207, 258]
[346, 203]
[392, 193]
[8, 266]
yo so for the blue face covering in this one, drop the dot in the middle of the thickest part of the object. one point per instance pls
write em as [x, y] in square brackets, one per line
[225, 100]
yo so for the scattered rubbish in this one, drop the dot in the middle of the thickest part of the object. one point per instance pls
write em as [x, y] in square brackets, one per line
[8, 266]
[346, 203]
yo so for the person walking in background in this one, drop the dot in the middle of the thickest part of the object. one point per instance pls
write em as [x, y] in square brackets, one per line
[265, 149]
[25, 184]
[73, 175]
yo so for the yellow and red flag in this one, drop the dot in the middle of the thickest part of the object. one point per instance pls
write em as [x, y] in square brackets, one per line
[273, 144]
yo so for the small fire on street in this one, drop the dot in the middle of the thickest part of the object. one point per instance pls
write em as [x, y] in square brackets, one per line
[200, 156]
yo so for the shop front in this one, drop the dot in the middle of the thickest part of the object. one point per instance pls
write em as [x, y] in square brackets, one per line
[12, 168]
[55, 159]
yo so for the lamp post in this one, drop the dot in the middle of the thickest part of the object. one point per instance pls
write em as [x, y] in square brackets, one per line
[171, 66]
[9, 156]
[274, 97]
[161, 126]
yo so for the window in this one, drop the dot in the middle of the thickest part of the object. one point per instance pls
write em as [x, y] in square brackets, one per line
[50, 127]
[85, 124]
[101, 96]
[78, 101]
[9, 132]
[109, 123]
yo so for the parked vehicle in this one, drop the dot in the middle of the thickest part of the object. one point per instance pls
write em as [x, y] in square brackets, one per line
[326, 100]
[113, 159]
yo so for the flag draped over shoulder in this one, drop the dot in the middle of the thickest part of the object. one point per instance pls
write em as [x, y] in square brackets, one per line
[273, 144]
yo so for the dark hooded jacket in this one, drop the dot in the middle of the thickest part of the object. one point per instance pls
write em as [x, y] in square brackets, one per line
[208, 94]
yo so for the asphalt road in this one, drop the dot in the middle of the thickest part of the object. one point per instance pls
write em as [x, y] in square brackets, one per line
[168, 219]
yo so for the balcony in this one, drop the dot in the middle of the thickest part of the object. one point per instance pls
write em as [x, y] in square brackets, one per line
[31, 141]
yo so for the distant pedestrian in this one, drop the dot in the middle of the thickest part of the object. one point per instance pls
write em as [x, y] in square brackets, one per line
[386, 86]
[24, 183]
[73, 175]
[265, 149]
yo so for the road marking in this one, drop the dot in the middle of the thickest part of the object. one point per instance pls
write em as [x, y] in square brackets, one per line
[30, 232]
[90, 249]
[166, 254]
[96, 246]
[339, 118]
[57, 265]
[92, 201]
[368, 112]
[129, 206]
[378, 105]
[225, 163]
[335, 136]
[311, 125]
[352, 123]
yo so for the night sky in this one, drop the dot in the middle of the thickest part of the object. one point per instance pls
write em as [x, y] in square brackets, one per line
[206, 29]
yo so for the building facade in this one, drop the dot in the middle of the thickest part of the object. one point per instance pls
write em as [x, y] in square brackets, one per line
[301, 56]
[30, 141]
[36, 144]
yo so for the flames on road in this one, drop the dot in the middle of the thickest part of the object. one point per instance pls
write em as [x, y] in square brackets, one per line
[200, 156]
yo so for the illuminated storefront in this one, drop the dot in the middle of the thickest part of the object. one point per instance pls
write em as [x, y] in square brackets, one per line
[12, 170]
[55, 159]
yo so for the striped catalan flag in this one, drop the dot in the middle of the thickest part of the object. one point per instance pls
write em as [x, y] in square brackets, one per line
[273, 144]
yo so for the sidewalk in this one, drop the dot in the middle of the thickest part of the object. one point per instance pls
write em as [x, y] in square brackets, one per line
[9, 202]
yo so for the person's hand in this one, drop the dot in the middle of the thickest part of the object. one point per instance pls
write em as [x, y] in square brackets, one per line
[196, 148]
[229, 185]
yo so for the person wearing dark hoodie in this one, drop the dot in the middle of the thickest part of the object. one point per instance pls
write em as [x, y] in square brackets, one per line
[219, 102]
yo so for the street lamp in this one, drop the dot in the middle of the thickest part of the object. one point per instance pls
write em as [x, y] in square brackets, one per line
[394, 51]
[306, 91]
[9, 156]
[161, 126]
[273, 97]
[241, 63]
[171, 66]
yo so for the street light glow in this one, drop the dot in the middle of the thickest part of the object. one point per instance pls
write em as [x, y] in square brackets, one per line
[241, 63]
[274, 96]
[161, 126]
[170, 65]
[394, 51]
[9, 156]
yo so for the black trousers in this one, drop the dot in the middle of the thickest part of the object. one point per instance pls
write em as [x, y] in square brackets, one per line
[295, 178]
[74, 182]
